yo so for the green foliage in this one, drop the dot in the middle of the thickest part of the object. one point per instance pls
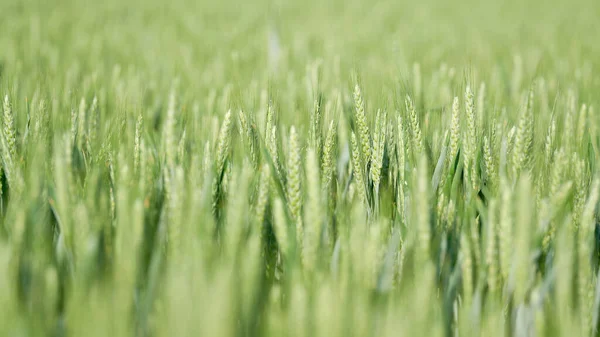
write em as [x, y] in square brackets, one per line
[299, 168]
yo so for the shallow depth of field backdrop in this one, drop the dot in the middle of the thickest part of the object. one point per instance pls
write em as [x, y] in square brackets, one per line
[299, 168]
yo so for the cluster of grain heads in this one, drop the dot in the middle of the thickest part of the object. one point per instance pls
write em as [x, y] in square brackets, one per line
[338, 220]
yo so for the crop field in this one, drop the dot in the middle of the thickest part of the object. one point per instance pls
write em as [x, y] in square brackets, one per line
[299, 168]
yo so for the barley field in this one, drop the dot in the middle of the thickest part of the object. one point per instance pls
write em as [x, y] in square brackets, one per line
[299, 168]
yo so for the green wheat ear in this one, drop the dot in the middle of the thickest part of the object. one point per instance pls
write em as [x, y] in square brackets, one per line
[363, 129]
[328, 167]
[247, 134]
[550, 142]
[489, 163]
[470, 139]
[454, 131]
[271, 139]
[379, 137]
[358, 170]
[9, 129]
[315, 133]
[221, 154]
[294, 193]
[130, 205]
[524, 137]
[223, 142]
[417, 138]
